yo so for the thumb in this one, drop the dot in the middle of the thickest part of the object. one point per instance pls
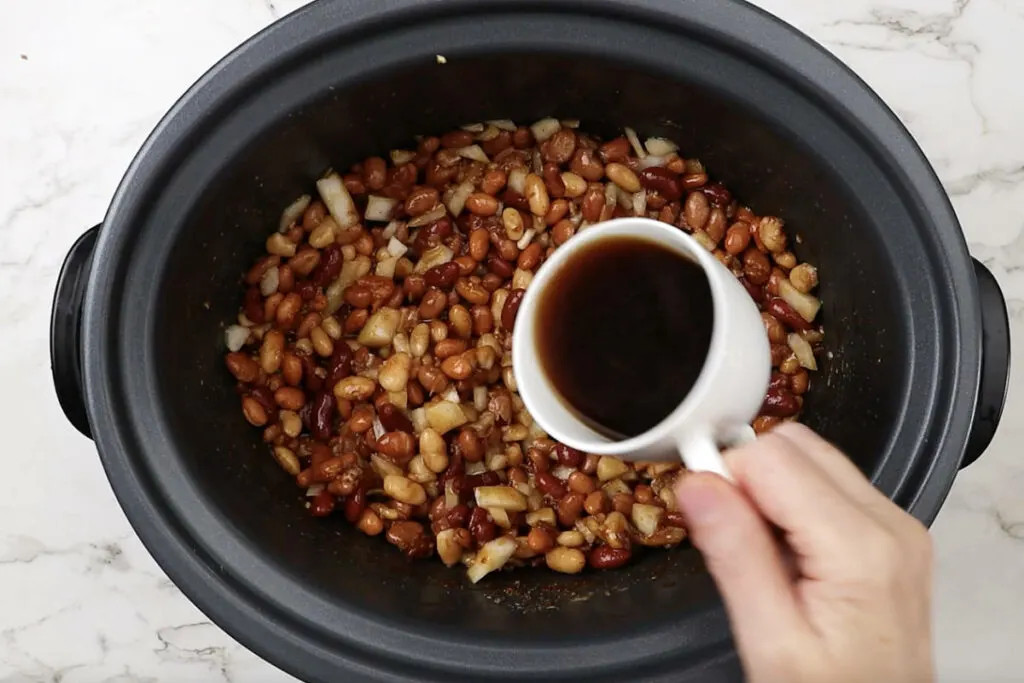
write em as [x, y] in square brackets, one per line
[744, 559]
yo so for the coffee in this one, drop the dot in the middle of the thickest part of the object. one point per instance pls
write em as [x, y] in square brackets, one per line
[623, 330]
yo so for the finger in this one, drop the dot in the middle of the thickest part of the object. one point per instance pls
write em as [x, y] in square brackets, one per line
[840, 469]
[822, 525]
[744, 560]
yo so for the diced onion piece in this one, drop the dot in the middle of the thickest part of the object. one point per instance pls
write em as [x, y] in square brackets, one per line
[634, 141]
[541, 516]
[399, 399]
[611, 194]
[646, 517]
[488, 133]
[517, 179]
[806, 305]
[653, 160]
[350, 272]
[386, 267]
[293, 212]
[339, 202]
[503, 124]
[380, 329]
[451, 499]
[803, 351]
[435, 214]
[570, 123]
[418, 418]
[314, 490]
[492, 556]
[390, 229]
[615, 486]
[475, 468]
[500, 517]
[640, 203]
[624, 199]
[235, 337]
[660, 146]
[401, 156]
[457, 202]
[378, 428]
[396, 248]
[521, 278]
[269, 281]
[379, 208]
[562, 472]
[480, 397]
[451, 394]
[501, 497]
[473, 153]
[445, 416]
[525, 240]
[435, 256]
[545, 128]
[473, 127]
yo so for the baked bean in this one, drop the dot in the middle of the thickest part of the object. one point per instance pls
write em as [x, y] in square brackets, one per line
[696, 210]
[483, 321]
[536, 194]
[756, 267]
[569, 508]
[254, 412]
[472, 291]
[565, 560]
[482, 204]
[451, 340]
[596, 503]
[606, 557]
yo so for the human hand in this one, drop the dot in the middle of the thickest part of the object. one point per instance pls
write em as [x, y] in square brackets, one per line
[842, 594]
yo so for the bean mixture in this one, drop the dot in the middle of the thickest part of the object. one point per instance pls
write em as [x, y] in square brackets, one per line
[373, 346]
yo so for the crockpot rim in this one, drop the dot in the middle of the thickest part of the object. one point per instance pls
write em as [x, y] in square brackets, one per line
[256, 54]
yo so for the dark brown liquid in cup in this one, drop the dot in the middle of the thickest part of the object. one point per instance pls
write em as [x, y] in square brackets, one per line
[623, 330]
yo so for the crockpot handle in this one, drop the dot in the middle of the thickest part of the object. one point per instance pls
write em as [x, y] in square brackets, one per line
[995, 364]
[65, 328]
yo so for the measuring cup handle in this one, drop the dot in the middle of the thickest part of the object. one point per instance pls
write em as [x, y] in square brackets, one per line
[701, 452]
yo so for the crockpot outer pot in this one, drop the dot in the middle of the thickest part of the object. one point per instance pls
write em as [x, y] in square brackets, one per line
[782, 123]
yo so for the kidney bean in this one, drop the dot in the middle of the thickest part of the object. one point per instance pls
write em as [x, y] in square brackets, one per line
[662, 181]
[786, 315]
[675, 519]
[607, 557]
[718, 195]
[355, 504]
[780, 403]
[340, 365]
[252, 306]
[482, 204]
[289, 398]
[254, 411]
[570, 457]
[549, 484]
[764, 423]
[321, 415]
[511, 308]
[756, 293]
[552, 176]
[456, 138]
[393, 419]
[481, 526]
[442, 276]
[322, 504]
[778, 382]
[497, 144]
[329, 267]
[500, 267]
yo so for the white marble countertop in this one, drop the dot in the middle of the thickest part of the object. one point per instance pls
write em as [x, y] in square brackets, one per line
[82, 84]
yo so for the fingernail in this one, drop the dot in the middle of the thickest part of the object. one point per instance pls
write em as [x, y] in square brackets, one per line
[699, 498]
